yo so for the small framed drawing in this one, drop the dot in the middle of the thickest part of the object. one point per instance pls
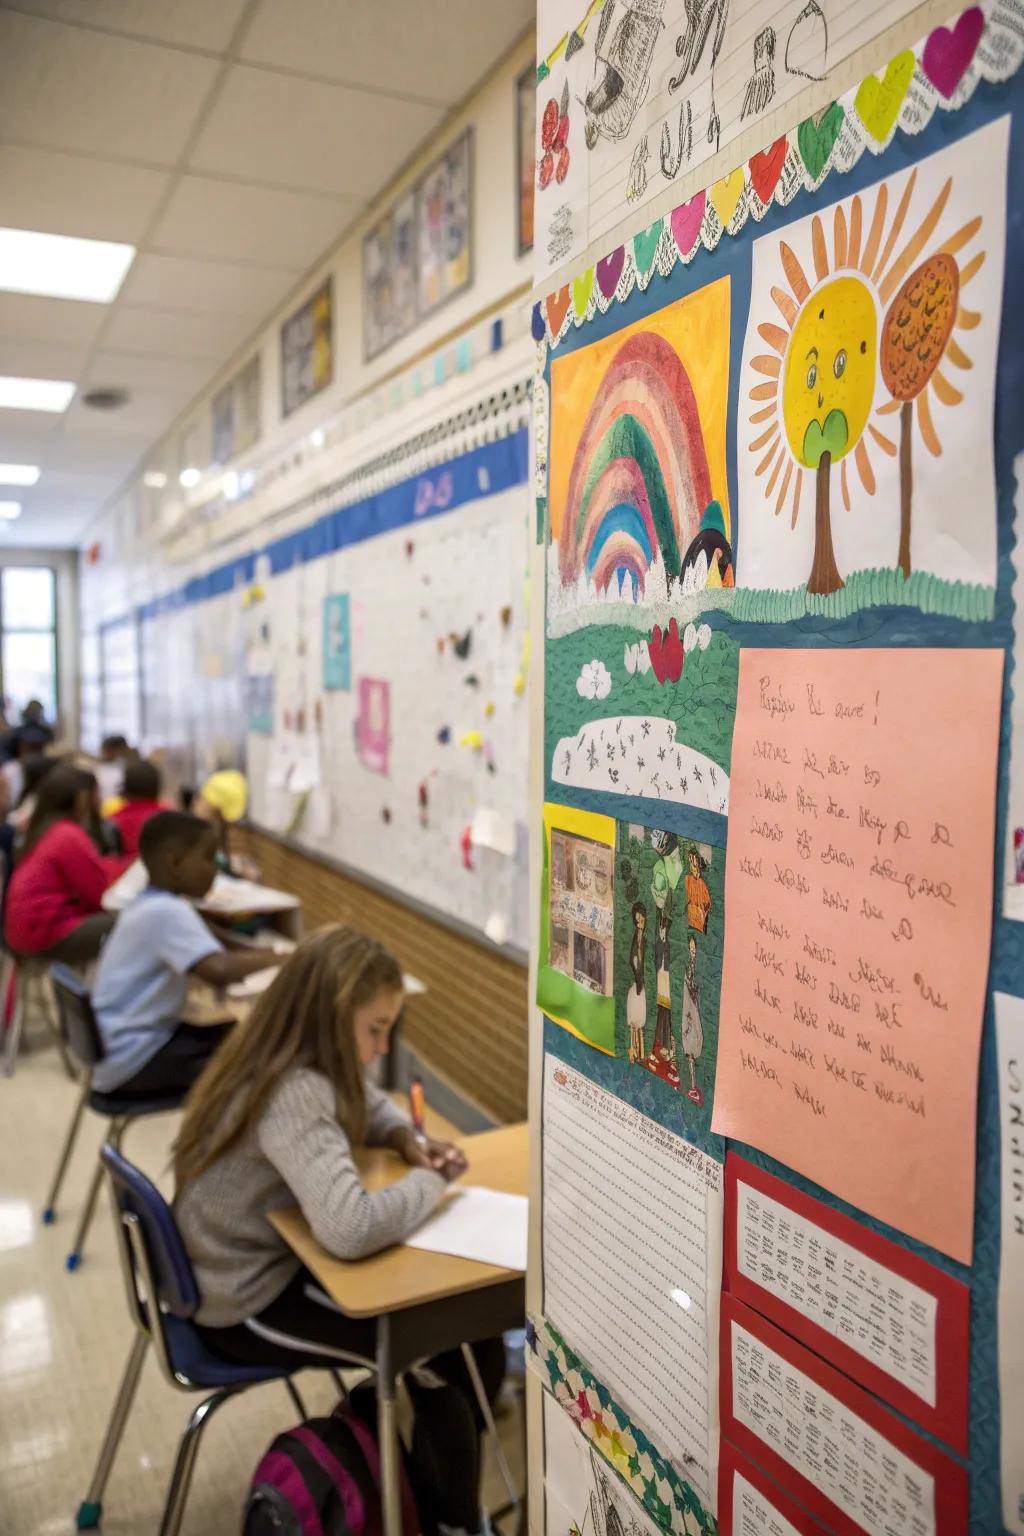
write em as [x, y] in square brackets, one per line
[526, 108]
[444, 221]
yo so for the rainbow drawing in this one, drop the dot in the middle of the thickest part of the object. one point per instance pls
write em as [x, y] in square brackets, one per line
[640, 480]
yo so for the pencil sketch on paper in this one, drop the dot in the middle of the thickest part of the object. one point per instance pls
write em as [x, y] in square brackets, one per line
[807, 43]
[585, 1497]
[857, 316]
[623, 50]
[705, 21]
[761, 85]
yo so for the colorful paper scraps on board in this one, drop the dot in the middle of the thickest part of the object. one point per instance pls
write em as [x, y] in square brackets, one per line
[669, 927]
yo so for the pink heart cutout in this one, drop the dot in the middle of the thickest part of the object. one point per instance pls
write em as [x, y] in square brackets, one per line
[609, 270]
[686, 222]
[948, 53]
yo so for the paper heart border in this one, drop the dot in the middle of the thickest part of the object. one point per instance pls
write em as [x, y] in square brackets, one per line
[781, 171]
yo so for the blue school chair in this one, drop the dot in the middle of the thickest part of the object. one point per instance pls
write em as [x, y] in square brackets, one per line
[163, 1299]
[81, 1035]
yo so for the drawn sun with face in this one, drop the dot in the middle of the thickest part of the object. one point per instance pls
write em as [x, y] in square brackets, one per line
[813, 393]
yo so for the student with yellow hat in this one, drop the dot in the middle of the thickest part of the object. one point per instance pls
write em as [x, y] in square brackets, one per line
[222, 800]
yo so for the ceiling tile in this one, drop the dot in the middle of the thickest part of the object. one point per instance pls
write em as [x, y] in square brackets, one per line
[191, 23]
[65, 88]
[146, 415]
[70, 195]
[437, 54]
[217, 287]
[26, 318]
[171, 333]
[56, 530]
[25, 436]
[73, 453]
[137, 370]
[42, 359]
[220, 218]
[300, 133]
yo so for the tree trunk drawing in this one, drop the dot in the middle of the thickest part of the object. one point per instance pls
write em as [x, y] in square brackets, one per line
[824, 575]
[906, 484]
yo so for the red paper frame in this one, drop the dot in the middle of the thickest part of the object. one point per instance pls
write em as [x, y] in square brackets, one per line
[951, 1488]
[948, 1420]
[731, 1460]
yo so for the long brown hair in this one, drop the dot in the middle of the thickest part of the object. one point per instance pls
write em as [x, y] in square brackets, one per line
[56, 800]
[304, 1018]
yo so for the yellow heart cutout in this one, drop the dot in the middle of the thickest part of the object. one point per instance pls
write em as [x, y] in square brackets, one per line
[725, 195]
[878, 101]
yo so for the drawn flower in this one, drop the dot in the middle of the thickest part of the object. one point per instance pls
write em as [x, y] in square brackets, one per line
[594, 681]
[704, 636]
[666, 653]
[689, 639]
[646, 1467]
[637, 658]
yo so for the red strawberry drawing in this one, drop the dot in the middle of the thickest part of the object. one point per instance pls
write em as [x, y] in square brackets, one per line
[546, 170]
[561, 132]
[666, 653]
[562, 168]
[549, 124]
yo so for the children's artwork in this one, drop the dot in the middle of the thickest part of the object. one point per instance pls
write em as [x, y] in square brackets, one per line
[576, 971]
[632, 1263]
[635, 96]
[1010, 1305]
[860, 840]
[639, 496]
[235, 413]
[583, 1496]
[444, 212]
[389, 277]
[259, 697]
[669, 925]
[882, 1315]
[307, 350]
[750, 1504]
[526, 106]
[373, 725]
[856, 1466]
[868, 392]
[337, 642]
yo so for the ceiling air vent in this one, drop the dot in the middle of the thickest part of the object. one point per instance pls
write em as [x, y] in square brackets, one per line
[105, 399]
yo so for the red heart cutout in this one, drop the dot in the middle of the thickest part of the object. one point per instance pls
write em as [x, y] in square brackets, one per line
[948, 53]
[766, 168]
[557, 306]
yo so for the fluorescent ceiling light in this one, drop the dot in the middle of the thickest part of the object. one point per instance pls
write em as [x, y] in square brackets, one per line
[19, 474]
[189, 477]
[155, 479]
[62, 266]
[231, 485]
[35, 394]
[9, 510]
[318, 437]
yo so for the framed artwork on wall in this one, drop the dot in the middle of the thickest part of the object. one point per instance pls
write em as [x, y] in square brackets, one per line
[444, 212]
[526, 106]
[389, 278]
[307, 350]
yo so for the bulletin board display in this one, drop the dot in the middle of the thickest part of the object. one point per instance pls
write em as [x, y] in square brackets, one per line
[370, 671]
[779, 1225]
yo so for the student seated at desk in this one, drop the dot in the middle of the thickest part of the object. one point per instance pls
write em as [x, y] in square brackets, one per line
[140, 799]
[222, 801]
[54, 898]
[160, 941]
[272, 1123]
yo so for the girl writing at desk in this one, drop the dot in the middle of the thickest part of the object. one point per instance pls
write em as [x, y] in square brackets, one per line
[273, 1122]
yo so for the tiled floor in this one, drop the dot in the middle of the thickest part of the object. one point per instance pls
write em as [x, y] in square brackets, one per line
[64, 1339]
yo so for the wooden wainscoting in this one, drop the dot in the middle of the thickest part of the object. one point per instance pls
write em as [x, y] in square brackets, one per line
[470, 1025]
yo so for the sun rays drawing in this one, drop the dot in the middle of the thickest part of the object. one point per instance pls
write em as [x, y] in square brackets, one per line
[868, 351]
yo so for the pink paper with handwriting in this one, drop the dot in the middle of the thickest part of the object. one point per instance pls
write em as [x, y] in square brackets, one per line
[373, 725]
[858, 913]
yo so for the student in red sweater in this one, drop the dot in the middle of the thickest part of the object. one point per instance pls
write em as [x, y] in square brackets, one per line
[141, 792]
[54, 900]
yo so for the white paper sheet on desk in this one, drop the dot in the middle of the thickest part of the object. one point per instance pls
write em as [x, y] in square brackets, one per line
[230, 895]
[481, 1224]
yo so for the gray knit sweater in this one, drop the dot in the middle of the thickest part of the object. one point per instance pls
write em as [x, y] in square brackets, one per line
[297, 1154]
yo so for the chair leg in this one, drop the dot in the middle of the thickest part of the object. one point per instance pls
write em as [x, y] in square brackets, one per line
[339, 1382]
[50, 1209]
[181, 1477]
[74, 1258]
[53, 1026]
[13, 1004]
[91, 1507]
[293, 1393]
[488, 1418]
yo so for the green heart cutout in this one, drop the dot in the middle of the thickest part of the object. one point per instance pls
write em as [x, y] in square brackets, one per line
[582, 288]
[645, 247]
[878, 101]
[815, 140]
[832, 439]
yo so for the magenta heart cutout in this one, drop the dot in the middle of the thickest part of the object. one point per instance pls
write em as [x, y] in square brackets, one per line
[947, 54]
[686, 222]
[609, 270]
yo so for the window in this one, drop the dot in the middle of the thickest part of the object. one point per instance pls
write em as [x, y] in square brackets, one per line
[28, 638]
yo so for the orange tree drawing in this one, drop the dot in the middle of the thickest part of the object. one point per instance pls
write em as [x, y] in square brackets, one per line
[820, 377]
